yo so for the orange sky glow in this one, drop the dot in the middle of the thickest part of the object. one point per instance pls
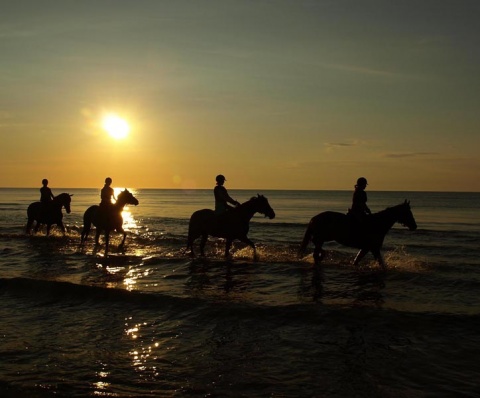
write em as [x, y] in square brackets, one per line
[274, 95]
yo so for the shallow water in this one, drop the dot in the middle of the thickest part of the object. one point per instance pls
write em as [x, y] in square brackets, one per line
[151, 321]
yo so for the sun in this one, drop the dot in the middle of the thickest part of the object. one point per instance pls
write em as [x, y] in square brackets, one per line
[115, 126]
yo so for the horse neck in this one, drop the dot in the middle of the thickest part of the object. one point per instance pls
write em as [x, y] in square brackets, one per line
[120, 204]
[387, 218]
[59, 200]
[248, 209]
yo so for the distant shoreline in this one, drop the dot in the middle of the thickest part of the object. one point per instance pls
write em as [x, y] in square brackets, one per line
[248, 189]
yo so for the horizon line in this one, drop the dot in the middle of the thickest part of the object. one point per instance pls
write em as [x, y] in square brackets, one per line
[256, 189]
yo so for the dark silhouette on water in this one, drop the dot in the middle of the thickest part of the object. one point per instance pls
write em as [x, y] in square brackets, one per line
[359, 207]
[48, 213]
[46, 194]
[107, 193]
[107, 218]
[222, 198]
[233, 224]
[333, 226]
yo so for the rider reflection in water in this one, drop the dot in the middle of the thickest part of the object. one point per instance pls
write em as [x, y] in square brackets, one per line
[222, 198]
[107, 193]
[359, 207]
[46, 194]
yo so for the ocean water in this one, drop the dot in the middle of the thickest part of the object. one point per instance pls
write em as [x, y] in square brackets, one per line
[150, 321]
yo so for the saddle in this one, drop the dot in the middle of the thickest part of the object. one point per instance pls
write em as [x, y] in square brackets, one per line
[358, 223]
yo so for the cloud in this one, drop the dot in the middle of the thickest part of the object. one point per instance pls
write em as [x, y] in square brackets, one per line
[344, 144]
[404, 155]
[362, 70]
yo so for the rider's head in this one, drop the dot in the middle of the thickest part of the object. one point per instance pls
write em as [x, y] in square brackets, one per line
[361, 182]
[45, 181]
[108, 180]
[220, 178]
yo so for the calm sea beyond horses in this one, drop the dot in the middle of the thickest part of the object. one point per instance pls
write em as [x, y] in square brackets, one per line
[368, 237]
[107, 219]
[233, 224]
[48, 213]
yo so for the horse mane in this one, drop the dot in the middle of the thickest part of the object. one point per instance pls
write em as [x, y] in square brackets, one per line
[392, 208]
[61, 195]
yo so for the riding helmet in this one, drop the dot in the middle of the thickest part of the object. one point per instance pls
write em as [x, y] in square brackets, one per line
[108, 180]
[220, 177]
[362, 181]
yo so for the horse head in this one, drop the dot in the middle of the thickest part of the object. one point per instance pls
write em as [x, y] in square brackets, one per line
[263, 207]
[64, 199]
[126, 198]
[405, 216]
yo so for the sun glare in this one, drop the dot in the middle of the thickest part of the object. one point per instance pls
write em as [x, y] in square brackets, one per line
[115, 126]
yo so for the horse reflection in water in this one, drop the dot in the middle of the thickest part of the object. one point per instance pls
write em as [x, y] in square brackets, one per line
[49, 213]
[344, 229]
[107, 219]
[233, 224]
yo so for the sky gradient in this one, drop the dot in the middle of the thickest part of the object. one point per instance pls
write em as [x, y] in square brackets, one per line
[273, 94]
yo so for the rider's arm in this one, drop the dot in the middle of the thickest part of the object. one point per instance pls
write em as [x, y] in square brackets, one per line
[226, 197]
[231, 200]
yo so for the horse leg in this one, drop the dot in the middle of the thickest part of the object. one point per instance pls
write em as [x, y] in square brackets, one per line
[97, 236]
[252, 245]
[228, 245]
[190, 245]
[62, 227]
[318, 252]
[48, 228]
[378, 256]
[121, 230]
[107, 238]
[203, 241]
[85, 232]
[28, 229]
[361, 254]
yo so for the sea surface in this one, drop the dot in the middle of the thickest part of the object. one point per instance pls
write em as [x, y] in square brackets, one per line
[148, 320]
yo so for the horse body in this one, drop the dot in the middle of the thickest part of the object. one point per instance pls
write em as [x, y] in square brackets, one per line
[48, 213]
[107, 219]
[233, 224]
[344, 229]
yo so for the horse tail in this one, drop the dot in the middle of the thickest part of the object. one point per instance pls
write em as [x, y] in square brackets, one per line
[306, 238]
[190, 238]
[29, 225]
[31, 218]
[87, 222]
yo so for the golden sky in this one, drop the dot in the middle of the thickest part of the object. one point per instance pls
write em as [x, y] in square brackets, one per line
[273, 94]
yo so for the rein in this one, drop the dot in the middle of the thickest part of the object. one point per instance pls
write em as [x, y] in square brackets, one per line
[248, 208]
[388, 217]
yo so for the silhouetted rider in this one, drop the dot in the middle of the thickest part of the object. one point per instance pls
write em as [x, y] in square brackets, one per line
[222, 198]
[107, 193]
[359, 207]
[46, 195]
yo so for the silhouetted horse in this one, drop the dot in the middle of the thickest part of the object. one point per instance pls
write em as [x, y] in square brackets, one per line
[368, 236]
[48, 213]
[231, 225]
[107, 219]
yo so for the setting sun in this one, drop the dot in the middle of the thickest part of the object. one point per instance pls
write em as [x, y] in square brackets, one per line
[115, 126]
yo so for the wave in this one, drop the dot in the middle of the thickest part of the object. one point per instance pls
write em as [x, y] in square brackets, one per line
[53, 292]
[57, 290]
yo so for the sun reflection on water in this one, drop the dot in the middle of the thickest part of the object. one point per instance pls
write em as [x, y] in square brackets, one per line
[100, 386]
[140, 356]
